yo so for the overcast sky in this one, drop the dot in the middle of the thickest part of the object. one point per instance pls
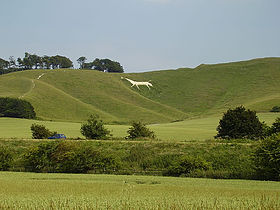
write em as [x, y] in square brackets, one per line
[143, 35]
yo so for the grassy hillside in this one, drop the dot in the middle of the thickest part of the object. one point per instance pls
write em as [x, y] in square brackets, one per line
[71, 95]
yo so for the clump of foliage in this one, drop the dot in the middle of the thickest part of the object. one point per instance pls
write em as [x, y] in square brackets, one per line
[41, 132]
[275, 128]
[267, 158]
[275, 109]
[240, 123]
[68, 157]
[207, 160]
[94, 128]
[185, 165]
[5, 158]
[139, 130]
[13, 107]
[105, 65]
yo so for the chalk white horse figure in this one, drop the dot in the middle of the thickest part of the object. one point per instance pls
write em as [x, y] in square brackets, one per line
[134, 83]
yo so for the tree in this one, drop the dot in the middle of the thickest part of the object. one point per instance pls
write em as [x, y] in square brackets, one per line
[106, 65]
[94, 128]
[240, 123]
[267, 158]
[88, 65]
[46, 62]
[12, 62]
[41, 132]
[13, 107]
[60, 62]
[4, 64]
[139, 130]
[81, 61]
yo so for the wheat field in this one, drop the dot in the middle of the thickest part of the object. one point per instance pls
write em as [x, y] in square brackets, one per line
[20, 190]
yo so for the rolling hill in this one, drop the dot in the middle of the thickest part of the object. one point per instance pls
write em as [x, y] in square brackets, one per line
[71, 95]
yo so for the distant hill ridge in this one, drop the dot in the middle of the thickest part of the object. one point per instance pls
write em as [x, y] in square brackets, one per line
[71, 95]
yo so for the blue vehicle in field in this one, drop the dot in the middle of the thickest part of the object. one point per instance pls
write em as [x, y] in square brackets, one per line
[58, 136]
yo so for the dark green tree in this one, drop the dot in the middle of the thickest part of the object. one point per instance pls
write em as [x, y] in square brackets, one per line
[60, 62]
[240, 123]
[12, 62]
[107, 65]
[13, 107]
[46, 62]
[4, 64]
[81, 61]
[139, 130]
[94, 128]
[88, 65]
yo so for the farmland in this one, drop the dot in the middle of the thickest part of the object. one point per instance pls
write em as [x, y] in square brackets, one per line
[183, 109]
[73, 191]
[197, 129]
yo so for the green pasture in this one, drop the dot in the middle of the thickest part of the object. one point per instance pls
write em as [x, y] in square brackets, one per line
[192, 129]
[71, 95]
[86, 191]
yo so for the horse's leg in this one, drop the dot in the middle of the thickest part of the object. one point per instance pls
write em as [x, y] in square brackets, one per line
[148, 86]
[137, 87]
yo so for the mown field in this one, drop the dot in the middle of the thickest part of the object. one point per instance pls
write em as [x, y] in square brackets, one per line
[74, 191]
[193, 129]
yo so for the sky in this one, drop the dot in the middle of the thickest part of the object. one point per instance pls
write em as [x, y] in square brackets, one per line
[143, 35]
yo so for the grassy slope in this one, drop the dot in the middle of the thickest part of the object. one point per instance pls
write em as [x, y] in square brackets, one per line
[72, 95]
[211, 89]
[87, 191]
[177, 94]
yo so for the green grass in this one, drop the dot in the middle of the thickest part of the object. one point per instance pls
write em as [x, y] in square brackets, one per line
[74, 191]
[193, 129]
[71, 95]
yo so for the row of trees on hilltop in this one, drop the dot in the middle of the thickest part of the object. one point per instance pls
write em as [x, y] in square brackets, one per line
[46, 62]
[33, 61]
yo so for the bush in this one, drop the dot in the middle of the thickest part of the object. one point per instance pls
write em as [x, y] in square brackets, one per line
[139, 130]
[37, 158]
[41, 132]
[267, 158]
[13, 107]
[186, 165]
[68, 157]
[240, 123]
[5, 158]
[275, 109]
[275, 128]
[94, 128]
